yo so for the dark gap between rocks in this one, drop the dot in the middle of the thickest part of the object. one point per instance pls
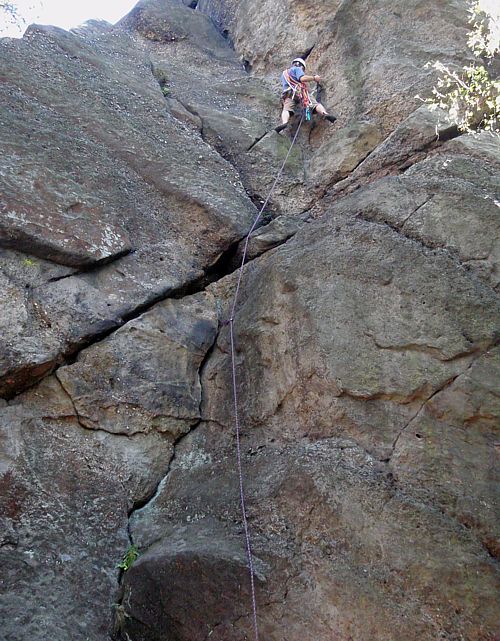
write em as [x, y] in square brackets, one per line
[93, 267]
[39, 250]
[222, 267]
[307, 52]
[139, 504]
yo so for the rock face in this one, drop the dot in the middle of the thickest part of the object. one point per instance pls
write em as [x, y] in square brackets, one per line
[99, 146]
[371, 57]
[134, 159]
[66, 493]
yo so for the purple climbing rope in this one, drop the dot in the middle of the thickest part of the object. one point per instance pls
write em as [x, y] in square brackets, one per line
[235, 394]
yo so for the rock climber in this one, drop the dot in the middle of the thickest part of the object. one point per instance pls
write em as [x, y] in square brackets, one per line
[295, 93]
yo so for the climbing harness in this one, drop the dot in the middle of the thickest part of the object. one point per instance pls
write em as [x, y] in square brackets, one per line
[298, 89]
[230, 322]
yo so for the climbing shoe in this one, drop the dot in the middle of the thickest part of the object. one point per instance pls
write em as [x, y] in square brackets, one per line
[280, 127]
[330, 118]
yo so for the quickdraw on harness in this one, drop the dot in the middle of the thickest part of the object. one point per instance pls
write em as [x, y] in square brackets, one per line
[299, 90]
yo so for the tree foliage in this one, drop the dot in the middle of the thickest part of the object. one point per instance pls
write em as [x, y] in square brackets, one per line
[15, 16]
[471, 94]
[8, 15]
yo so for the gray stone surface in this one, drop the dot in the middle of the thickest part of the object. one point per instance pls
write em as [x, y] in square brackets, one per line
[453, 444]
[342, 357]
[449, 200]
[337, 280]
[134, 158]
[167, 21]
[342, 153]
[146, 375]
[66, 493]
[344, 549]
[264, 238]
[102, 153]
[409, 143]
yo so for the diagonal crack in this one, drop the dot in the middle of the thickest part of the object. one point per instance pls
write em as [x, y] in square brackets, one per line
[139, 505]
[445, 385]
[386, 167]
[90, 269]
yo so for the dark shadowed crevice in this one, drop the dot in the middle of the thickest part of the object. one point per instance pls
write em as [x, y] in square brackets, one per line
[225, 265]
[222, 267]
[307, 52]
[141, 503]
[94, 267]
[38, 248]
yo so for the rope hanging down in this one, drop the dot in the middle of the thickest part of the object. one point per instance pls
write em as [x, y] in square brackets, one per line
[235, 393]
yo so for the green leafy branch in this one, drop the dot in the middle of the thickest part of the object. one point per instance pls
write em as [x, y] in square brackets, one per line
[469, 95]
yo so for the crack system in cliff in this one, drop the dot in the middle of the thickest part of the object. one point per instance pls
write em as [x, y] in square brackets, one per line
[143, 503]
[392, 165]
[120, 610]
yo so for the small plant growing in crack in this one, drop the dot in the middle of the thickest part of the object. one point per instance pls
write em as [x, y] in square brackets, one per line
[129, 557]
[29, 262]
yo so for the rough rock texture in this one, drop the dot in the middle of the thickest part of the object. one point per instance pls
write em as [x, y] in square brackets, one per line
[65, 495]
[134, 159]
[89, 120]
[350, 392]
[371, 57]
[449, 200]
[146, 375]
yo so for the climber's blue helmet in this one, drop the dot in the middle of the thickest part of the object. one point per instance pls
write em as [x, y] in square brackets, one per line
[300, 61]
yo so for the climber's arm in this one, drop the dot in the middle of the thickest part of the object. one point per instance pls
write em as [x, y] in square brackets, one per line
[310, 78]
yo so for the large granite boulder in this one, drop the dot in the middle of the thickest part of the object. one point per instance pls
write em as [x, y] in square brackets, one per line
[362, 358]
[105, 170]
[146, 376]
